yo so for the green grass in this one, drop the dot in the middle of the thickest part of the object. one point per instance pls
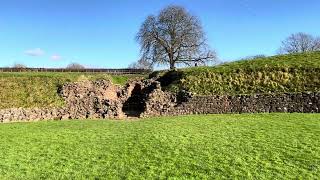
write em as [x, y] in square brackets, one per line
[259, 146]
[276, 74]
[31, 89]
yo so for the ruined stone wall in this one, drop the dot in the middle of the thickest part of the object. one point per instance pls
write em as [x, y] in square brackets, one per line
[34, 114]
[83, 100]
[260, 103]
[87, 100]
[101, 99]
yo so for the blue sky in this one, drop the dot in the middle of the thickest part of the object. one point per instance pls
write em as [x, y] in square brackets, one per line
[101, 33]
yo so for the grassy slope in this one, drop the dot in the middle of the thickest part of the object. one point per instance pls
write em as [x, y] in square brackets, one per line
[260, 146]
[285, 73]
[40, 89]
[288, 73]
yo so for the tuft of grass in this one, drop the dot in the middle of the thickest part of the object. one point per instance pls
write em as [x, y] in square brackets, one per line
[246, 146]
[39, 89]
[277, 74]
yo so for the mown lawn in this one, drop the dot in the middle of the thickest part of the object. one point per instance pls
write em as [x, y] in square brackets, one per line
[260, 146]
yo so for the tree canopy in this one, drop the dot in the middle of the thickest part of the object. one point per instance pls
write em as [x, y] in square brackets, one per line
[174, 36]
[299, 43]
[75, 66]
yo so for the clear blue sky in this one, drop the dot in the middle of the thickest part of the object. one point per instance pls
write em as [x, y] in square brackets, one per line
[101, 33]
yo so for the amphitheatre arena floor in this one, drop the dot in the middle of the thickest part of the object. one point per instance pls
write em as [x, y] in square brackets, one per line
[259, 146]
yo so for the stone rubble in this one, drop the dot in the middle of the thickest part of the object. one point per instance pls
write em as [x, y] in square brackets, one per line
[145, 98]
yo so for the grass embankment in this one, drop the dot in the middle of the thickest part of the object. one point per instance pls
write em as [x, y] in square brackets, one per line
[32, 89]
[277, 74]
[260, 146]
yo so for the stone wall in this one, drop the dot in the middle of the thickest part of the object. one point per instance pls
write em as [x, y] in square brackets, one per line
[87, 100]
[259, 103]
[103, 100]
[34, 114]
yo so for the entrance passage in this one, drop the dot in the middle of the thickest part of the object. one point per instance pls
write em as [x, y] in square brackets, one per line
[135, 104]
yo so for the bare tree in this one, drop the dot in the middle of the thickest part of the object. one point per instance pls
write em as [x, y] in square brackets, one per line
[317, 44]
[300, 42]
[19, 65]
[141, 64]
[253, 57]
[75, 66]
[173, 37]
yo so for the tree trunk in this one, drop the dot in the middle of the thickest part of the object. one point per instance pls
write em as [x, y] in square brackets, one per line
[172, 66]
[172, 62]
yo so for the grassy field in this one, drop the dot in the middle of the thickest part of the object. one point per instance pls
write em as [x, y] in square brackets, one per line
[276, 74]
[30, 89]
[259, 146]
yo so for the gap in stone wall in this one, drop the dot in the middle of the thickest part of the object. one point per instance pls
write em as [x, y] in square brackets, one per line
[135, 104]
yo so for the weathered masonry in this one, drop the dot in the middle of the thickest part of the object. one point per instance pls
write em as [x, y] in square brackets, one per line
[103, 100]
